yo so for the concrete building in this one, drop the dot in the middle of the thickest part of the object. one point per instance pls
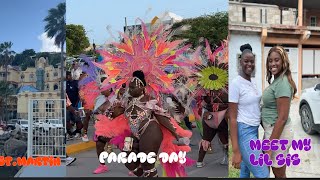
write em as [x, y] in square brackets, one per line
[167, 19]
[39, 82]
[266, 23]
[41, 108]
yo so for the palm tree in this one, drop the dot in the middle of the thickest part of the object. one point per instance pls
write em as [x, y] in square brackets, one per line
[7, 56]
[56, 28]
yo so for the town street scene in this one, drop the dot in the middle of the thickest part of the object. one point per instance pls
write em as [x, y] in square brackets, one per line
[32, 108]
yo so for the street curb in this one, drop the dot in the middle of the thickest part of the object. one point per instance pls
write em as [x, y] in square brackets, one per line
[80, 147]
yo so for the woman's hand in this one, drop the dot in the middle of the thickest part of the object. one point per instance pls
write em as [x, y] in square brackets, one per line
[207, 116]
[205, 144]
[236, 159]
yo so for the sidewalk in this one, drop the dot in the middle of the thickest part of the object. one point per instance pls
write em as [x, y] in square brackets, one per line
[77, 145]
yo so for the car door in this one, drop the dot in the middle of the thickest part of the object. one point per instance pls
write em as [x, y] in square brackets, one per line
[315, 103]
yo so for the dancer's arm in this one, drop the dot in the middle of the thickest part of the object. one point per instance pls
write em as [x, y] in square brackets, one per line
[165, 121]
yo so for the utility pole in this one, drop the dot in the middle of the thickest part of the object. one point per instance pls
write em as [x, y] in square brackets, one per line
[125, 23]
[6, 83]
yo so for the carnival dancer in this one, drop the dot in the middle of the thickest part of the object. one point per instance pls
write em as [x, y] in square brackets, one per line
[212, 76]
[151, 127]
[140, 62]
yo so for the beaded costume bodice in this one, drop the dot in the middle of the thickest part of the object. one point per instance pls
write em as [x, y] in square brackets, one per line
[138, 111]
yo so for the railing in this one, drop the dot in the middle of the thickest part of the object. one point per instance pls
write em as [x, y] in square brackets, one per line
[46, 135]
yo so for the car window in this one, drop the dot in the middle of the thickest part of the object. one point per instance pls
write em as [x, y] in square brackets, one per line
[24, 122]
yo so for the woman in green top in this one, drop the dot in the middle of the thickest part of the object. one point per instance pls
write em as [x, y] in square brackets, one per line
[276, 105]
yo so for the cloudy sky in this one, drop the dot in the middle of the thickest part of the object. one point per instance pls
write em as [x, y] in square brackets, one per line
[22, 24]
[101, 18]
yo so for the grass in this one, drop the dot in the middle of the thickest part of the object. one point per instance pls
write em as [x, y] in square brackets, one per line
[233, 172]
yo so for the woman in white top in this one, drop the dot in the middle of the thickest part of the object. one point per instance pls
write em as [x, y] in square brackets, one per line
[244, 109]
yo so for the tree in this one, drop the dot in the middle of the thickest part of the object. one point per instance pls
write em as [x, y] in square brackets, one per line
[212, 27]
[77, 40]
[56, 28]
[24, 59]
[6, 89]
[7, 56]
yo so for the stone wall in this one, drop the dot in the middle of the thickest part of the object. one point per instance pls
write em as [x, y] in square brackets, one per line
[269, 14]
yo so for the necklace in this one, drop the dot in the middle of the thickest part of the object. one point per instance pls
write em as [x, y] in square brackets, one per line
[134, 101]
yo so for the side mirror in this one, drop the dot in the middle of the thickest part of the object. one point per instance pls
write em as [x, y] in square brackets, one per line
[317, 88]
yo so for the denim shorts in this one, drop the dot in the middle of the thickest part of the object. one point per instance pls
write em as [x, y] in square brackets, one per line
[245, 134]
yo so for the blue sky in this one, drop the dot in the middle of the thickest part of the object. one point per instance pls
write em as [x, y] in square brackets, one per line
[22, 24]
[97, 15]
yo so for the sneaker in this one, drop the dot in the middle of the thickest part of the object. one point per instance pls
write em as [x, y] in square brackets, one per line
[85, 138]
[200, 164]
[77, 136]
[131, 173]
[224, 161]
[69, 137]
[70, 160]
[101, 169]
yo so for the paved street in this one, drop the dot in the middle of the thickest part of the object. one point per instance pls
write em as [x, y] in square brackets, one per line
[88, 161]
[310, 160]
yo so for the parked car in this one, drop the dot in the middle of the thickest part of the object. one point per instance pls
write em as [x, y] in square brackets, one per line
[47, 124]
[11, 124]
[3, 126]
[22, 124]
[56, 123]
[309, 109]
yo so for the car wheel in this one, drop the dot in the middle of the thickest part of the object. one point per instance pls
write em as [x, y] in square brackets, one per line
[307, 119]
[10, 128]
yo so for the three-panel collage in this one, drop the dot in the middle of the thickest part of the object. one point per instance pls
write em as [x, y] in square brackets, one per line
[206, 88]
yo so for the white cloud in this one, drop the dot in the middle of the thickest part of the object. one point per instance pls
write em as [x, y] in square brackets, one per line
[47, 44]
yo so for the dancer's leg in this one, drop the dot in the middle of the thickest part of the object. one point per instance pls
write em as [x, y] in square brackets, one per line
[150, 141]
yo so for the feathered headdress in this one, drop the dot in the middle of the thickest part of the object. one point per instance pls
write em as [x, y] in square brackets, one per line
[90, 69]
[150, 52]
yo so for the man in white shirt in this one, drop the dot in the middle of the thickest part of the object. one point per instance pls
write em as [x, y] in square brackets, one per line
[76, 71]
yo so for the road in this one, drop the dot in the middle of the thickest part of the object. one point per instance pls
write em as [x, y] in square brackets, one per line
[88, 161]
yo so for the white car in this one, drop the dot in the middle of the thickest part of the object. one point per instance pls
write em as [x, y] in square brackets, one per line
[55, 123]
[309, 109]
[22, 125]
[48, 124]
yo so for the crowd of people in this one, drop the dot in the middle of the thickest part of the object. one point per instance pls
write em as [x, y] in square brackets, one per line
[138, 105]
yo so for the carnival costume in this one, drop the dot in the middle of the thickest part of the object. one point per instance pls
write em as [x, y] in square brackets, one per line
[212, 98]
[150, 54]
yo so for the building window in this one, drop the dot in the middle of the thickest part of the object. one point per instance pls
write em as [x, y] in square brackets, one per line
[48, 87]
[281, 15]
[48, 75]
[22, 76]
[261, 16]
[55, 87]
[265, 16]
[49, 106]
[313, 21]
[55, 74]
[31, 76]
[243, 14]
[35, 106]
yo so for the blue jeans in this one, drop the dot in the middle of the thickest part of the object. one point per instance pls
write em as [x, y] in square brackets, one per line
[245, 134]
